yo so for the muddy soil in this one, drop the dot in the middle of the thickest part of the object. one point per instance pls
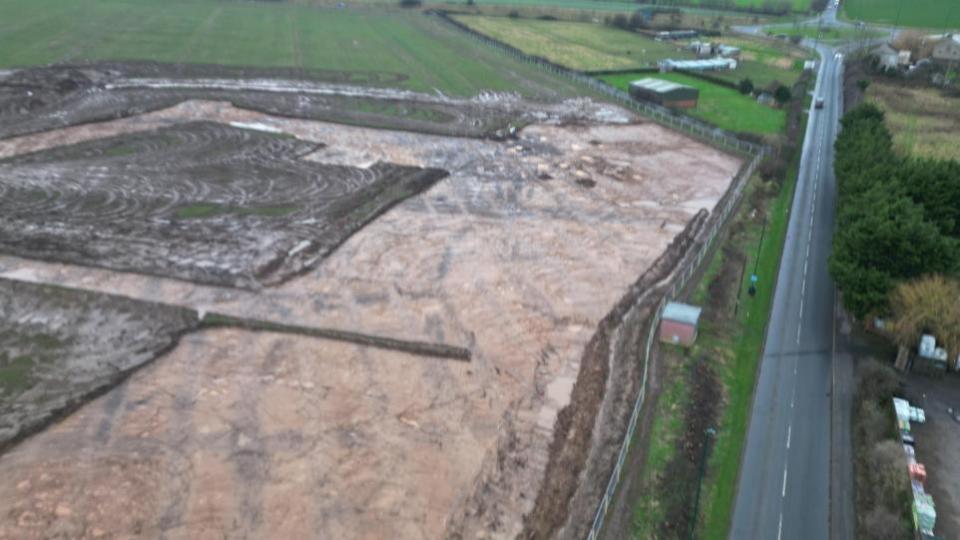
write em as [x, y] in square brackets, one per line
[678, 485]
[59, 347]
[200, 201]
[257, 435]
[39, 99]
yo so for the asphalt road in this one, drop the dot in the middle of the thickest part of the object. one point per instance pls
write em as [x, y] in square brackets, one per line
[784, 487]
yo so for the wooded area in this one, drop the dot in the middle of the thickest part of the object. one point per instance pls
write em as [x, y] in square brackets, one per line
[898, 217]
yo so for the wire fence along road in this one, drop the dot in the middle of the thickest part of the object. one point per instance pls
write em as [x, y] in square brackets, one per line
[681, 275]
[691, 261]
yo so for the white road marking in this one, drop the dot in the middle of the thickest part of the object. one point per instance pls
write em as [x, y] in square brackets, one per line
[780, 526]
[813, 215]
[783, 493]
[789, 431]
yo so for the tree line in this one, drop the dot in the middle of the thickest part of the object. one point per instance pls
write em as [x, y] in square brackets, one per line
[898, 218]
[770, 7]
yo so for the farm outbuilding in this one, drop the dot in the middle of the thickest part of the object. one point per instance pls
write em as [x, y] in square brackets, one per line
[709, 64]
[675, 34]
[947, 49]
[665, 93]
[678, 324]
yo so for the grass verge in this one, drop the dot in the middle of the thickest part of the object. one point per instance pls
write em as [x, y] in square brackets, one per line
[742, 348]
[730, 340]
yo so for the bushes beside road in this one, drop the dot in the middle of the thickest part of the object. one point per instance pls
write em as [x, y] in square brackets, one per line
[882, 485]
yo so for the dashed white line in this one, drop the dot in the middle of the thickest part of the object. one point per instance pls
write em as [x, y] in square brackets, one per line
[789, 431]
[783, 493]
[780, 527]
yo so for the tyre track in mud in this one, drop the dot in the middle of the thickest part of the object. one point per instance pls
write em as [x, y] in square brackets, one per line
[154, 201]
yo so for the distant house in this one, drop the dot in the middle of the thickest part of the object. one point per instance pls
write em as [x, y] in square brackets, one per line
[665, 93]
[675, 34]
[728, 51]
[903, 57]
[766, 98]
[887, 56]
[947, 49]
[701, 48]
[678, 323]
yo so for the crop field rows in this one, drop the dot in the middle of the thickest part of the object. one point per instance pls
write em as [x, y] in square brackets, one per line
[577, 45]
[923, 121]
[943, 14]
[409, 50]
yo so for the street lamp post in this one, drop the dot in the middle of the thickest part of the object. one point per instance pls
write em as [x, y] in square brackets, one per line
[756, 265]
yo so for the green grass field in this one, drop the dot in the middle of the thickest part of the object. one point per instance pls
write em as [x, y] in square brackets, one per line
[432, 55]
[826, 34]
[613, 5]
[764, 61]
[918, 13]
[924, 122]
[719, 105]
[582, 46]
[594, 47]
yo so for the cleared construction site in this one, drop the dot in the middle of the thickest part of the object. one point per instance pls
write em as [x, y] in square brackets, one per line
[244, 304]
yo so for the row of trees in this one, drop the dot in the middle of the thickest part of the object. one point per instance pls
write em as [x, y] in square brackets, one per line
[898, 218]
[772, 7]
[642, 18]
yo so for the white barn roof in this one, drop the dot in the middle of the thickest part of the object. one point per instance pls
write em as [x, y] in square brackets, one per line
[657, 85]
[682, 313]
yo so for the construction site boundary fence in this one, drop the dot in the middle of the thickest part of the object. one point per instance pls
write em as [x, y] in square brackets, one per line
[691, 261]
[662, 115]
[681, 275]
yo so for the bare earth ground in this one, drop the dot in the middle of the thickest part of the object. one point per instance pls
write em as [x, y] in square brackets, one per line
[517, 255]
[58, 346]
